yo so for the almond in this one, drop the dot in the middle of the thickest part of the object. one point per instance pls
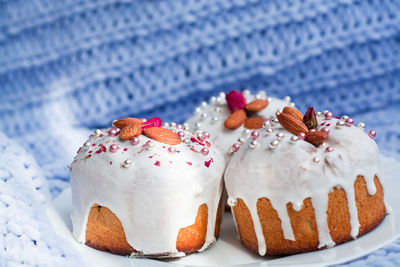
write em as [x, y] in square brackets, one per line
[163, 135]
[292, 124]
[130, 130]
[254, 123]
[294, 112]
[235, 120]
[125, 121]
[316, 137]
[256, 105]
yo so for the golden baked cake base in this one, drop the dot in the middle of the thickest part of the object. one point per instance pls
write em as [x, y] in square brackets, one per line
[371, 212]
[104, 232]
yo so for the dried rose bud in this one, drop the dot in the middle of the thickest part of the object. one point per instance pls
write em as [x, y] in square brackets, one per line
[235, 100]
[310, 119]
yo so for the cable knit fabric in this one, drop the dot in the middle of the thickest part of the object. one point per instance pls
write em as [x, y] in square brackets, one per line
[70, 65]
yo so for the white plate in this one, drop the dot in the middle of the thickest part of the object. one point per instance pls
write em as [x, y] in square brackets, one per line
[228, 250]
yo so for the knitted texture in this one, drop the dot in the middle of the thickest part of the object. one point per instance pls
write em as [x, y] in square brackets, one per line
[69, 65]
[25, 235]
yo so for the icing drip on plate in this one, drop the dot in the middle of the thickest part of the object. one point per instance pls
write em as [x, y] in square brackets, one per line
[286, 169]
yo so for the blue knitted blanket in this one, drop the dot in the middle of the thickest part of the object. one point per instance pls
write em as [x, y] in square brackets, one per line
[72, 65]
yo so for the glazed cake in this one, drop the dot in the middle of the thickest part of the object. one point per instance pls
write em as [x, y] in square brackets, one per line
[304, 183]
[230, 117]
[139, 189]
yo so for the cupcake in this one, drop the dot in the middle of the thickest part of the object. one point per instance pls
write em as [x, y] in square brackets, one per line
[139, 189]
[305, 183]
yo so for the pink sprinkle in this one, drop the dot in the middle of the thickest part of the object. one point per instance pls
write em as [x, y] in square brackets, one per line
[112, 132]
[114, 148]
[125, 149]
[322, 124]
[206, 135]
[204, 151]
[157, 163]
[254, 135]
[91, 136]
[194, 140]
[90, 151]
[208, 143]
[372, 134]
[110, 162]
[101, 149]
[326, 130]
[79, 150]
[301, 136]
[150, 157]
[172, 149]
[328, 116]
[328, 125]
[235, 147]
[329, 149]
[93, 144]
[135, 140]
[189, 163]
[181, 134]
[349, 122]
[337, 117]
[207, 163]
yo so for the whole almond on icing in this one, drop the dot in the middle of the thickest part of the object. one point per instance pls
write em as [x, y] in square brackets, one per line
[254, 123]
[316, 137]
[294, 112]
[256, 105]
[235, 120]
[163, 135]
[131, 130]
[292, 124]
[125, 121]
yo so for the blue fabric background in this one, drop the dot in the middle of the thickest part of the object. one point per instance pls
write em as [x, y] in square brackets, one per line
[69, 65]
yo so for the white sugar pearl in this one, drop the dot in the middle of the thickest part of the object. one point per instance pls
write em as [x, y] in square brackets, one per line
[241, 140]
[231, 202]
[287, 98]
[274, 144]
[86, 144]
[173, 124]
[165, 124]
[294, 139]
[316, 160]
[198, 125]
[127, 162]
[98, 132]
[204, 104]
[214, 119]
[204, 116]
[339, 124]
[280, 136]
[197, 110]
[361, 125]
[253, 144]
[245, 132]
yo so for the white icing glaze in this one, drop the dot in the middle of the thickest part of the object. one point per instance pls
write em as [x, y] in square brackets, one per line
[154, 197]
[290, 173]
[217, 108]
